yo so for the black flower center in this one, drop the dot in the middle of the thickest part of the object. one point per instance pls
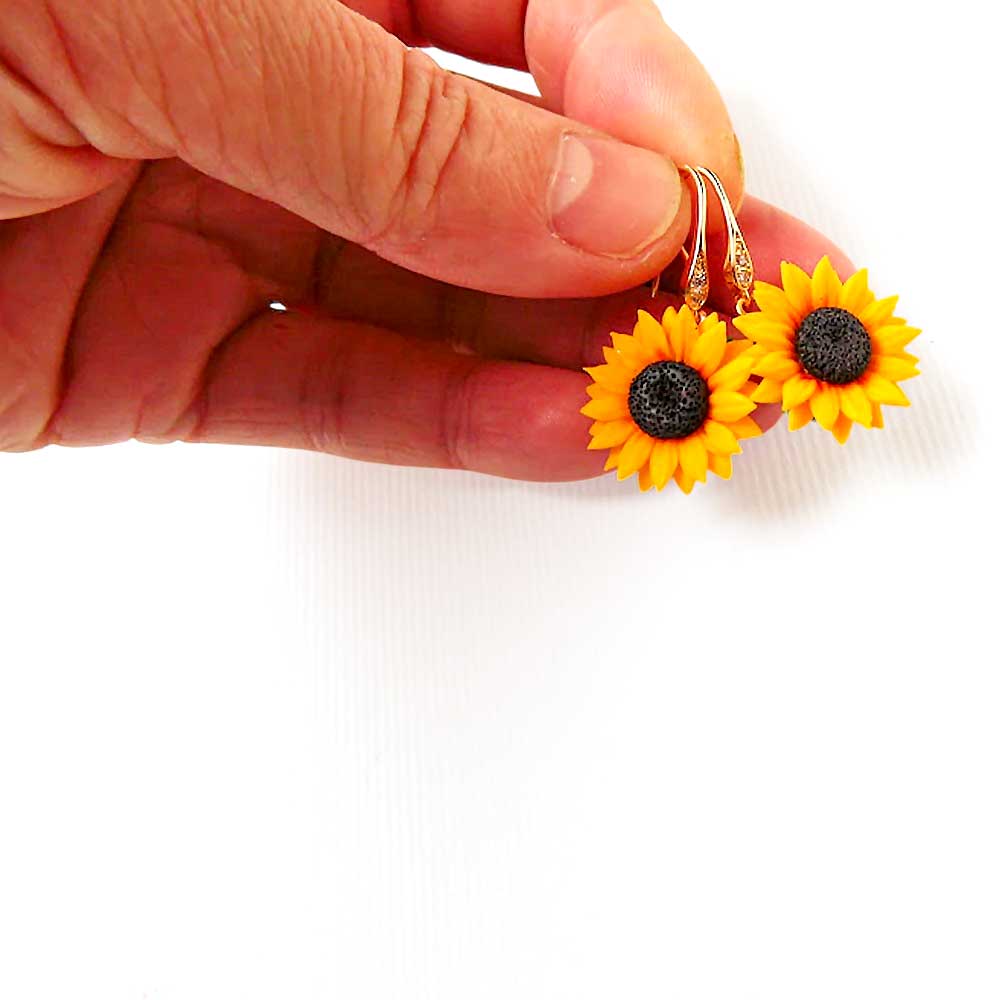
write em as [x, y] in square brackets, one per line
[668, 400]
[833, 346]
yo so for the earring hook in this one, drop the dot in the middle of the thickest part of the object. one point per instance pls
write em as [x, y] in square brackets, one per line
[738, 267]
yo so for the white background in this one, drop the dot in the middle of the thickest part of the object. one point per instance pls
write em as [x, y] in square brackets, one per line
[279, 725]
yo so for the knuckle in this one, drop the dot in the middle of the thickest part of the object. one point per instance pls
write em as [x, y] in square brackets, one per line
[431, 123]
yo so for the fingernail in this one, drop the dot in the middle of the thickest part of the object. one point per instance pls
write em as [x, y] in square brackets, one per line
[609, 198]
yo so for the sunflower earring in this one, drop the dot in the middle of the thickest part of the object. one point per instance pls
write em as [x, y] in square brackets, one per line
[674, 398]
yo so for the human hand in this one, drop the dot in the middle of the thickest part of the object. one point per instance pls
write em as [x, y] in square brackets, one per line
[451, 254]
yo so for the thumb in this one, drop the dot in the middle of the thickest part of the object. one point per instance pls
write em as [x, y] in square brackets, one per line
[315, 107]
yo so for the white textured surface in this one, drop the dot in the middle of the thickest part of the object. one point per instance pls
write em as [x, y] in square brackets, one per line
[277, 725]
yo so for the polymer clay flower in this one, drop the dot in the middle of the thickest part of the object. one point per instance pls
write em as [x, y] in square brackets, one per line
[673, 400]
[828, 349]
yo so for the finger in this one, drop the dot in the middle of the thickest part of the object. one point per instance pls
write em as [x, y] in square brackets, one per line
[613, 64]
[365, 393]
[568, 333]
[314, 107]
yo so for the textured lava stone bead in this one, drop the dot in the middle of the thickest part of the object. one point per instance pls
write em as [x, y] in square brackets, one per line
[668, 400]
[833, 345]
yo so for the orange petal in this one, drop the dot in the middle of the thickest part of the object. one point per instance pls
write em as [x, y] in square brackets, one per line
[825, 405]
[799, 416]
[774, 303]
[645, 479]
[876, 314]
[634, 454]
[762, 329]
[729, 406]
[693, 457]
[734, 349]
[612, 434]
[892, 338]
[652, 337]
[733, 375]
[612, 408]
[662, 462]
[612, 377]
[721, 465]
[856, 295]
[720, 439]
[826, 285]
[894, 369]
[842, 428]
[778, 365]
[768, 391]
[881, 390]
[798, 288]
[745, 427]
[683, 480]
[612, 459]
[797, 390]
[689, 328]
[877, 420]
[706, 355]
[675, 333]
[854, 404]
[632, 351]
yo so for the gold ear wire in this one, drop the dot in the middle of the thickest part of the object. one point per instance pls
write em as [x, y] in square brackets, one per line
[738, 267]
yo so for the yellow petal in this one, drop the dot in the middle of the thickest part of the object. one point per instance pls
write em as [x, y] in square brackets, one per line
[797, 390]
[894, 369]
[842, 428]
[645, 479]
[734, 349]
[892, 338]
[826, 285]
[721, 465]
[720, 439]
[745, 427]
[798, 288]
[877, 313]
[877, 416]
[613, 408]
[634, 454]
[632, 351]
[768, 391]
[612, 434]
[612, 377]
[825, 405]
[596, 391]
[761, 329]
[651, 335]
[683, 480]
[662, 462]
[778, 365]
[692, 456]
[856, 295]
[689, 328]
[612, 459]
[854, 404]
[732, 375]
[881, 390]
[706, 354]
[675, 333]
[799, 416]
[729, 406]
[774, 304]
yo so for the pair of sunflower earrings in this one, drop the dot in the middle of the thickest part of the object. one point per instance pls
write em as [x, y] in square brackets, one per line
[675, 397]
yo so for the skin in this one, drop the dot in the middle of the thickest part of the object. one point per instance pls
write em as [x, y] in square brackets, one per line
[170, 167]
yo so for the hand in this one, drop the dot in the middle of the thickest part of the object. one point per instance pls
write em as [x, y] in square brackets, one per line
[168, 169]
